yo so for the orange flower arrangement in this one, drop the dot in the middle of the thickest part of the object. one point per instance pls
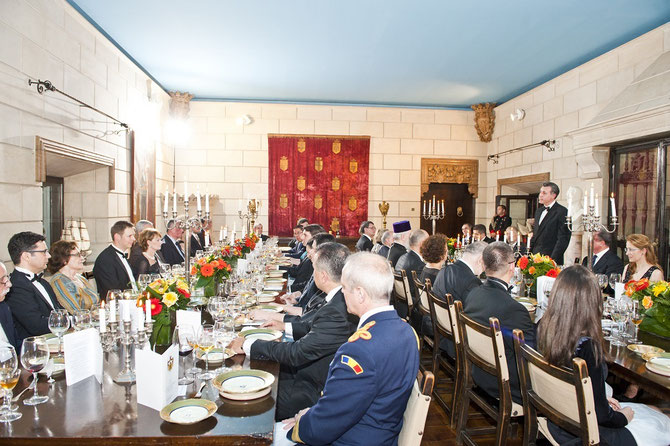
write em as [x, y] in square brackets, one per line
[655, 298]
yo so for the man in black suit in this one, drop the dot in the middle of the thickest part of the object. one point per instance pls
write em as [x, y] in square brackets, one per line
[172, 250]
[479, 234]
[367, 231]
[296, 244]
[412, 261]
[551, 235]
[258, 230]
[111, 269]
[30, 298]
[8, 333]
[304, 363]
[605, 261]
[401, 231]
[387, 241]
[493, 299]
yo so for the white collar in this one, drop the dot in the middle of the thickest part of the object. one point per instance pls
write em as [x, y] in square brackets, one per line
[601, 253]
[372, 312]
[332, 293]
[30, 274]
[369, 238]
[115, 248]
[173, 240]
[550, 205]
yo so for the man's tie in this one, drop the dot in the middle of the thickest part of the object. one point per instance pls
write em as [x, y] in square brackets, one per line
[593, 262]
[546, 208]
[179, 243]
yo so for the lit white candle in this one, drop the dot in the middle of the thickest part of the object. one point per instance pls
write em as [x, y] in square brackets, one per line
[197, 198]
[586, 205]
[185, 191]
[166, 201]
[597, 206]
[505, 238]
[139, 315]
[234, 227]
[442, 207]
[103, 317]
[569, 206]
[591, 196]
[147, 309]
[239, 205]
[207, 201]
[424, 207]
[225, 232]
[613, 205]
[498, 236]
[126, 310]
[221, 234]
[174, 203]
[434, 209]
[528, 243]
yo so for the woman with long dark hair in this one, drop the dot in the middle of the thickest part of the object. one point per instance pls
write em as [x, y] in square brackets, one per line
[572, 327]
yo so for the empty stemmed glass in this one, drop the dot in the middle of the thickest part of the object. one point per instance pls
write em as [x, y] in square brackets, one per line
[143, 280]
[224, 332]
[59, 323]
[216, 307]
[82, 319]
[113, 295]
[34, 357]
[9, 376]
[636, 315]
[614, 279]
[603, 281]
[618, 312]
[184, 338]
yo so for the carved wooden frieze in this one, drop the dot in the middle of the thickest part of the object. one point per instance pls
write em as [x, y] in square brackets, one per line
[450, 171]
[484, 120]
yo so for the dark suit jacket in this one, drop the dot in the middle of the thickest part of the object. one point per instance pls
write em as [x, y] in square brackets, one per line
[170, 253]
[408, 262]
[29, 309]
[109, 272]
[395, 251]
[297, 251]
[456, 279]
[608, 264]
[305, 361]
[196, 244]
[364, 244]
[308, 292]
[384, 251]
[302, 275]
[7, 323]
[552, 236]
[491, 300]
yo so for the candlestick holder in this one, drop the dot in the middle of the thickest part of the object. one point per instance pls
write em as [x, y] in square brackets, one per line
[120, 334]
[591, 225]
[189, 224]
[434, 214]
[250, 215]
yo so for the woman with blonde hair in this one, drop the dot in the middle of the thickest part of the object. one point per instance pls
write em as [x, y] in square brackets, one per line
[378, 241]
[643, 263]
[150, 242]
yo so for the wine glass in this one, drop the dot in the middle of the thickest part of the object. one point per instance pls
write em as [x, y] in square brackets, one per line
[82, 319]
[183, 337]
[143, 280]
[617, 312]
[636, 315]
[603, 281]
[528, 281]
[614, 279]
[165, 270]
[206, 342]
[224, 332]
[59, 323]
[34, 356]
[215, 307]
[9, 376]
[113, 295]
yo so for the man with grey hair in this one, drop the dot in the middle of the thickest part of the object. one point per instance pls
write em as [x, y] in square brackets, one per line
[370, 378]
[172, 250]
[387, 241]
[605, 261]
[462, 276]
[551, 235]
[408, 262]
[8, 333]
[493, 299]
[401, 231]
[305, 361]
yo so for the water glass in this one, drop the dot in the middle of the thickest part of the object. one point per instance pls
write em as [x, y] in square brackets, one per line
[34, 357]
[603, 281]
[143, 280]
[59, 323]
[82, 319]
[618, 314]
[206, 343]
[614, 279]
[9, 376]
[113, 295]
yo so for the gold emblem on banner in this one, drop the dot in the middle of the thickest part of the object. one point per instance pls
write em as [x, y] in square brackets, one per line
[353, 165]
[283, 163]
[353, 203]
[302, 145]
[337, 146]
[283, 201]
[335, 183]
[335, 224]
[301, 184]
[318, 164]
[318, 202]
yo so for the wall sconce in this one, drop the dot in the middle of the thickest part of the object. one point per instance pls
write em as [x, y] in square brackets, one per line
[518, 114]
[244, 120]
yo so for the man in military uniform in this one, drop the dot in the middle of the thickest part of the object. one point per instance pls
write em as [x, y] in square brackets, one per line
[370, 378]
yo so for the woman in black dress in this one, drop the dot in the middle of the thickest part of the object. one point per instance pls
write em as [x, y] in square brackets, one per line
[433, 251]
[150, 242]
[643, 263]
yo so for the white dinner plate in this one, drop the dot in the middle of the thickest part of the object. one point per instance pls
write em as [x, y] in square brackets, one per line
[188, 411]
[244, 384]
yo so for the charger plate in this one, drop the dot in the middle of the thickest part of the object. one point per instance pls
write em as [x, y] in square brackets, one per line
[642, 349]
[189, 411]
[268, 307]
[244, 385]
[262, 334]
[215, 356]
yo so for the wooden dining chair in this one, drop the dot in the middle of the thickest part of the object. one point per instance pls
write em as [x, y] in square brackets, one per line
[414, 418]
[401, 293]
[482, 346]
[421, 299]
[443, 318]
[561, 395]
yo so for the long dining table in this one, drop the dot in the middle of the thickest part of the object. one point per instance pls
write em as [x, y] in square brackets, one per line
[107, 413]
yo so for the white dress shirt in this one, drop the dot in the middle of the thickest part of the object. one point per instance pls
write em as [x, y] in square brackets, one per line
[545, 212]
[599, 255]
[37, 285]
[126, 265]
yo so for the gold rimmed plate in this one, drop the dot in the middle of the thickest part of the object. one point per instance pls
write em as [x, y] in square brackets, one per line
[278, 274]
[268, 307]
[659, 365]
[52, 342]
[274, 280]
[642, 349]
[189, 411]
[215, 356]
[244, 385]
[262, 334]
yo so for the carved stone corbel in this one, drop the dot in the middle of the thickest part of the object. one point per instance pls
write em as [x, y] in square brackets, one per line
[485, 120]
[179, 104]
[592, 161]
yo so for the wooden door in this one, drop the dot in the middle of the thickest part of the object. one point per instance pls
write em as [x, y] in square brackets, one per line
[519, 207]
[459, 206]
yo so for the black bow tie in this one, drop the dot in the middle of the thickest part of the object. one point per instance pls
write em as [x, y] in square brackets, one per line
[36, 277]
[122, 254]
[546, 208]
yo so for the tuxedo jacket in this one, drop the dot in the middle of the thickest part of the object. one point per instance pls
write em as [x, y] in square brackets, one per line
[364, 244]
[109, 272]
[196, 244]
[609, 263]
[552, 236]
[305, 362]
[456, 279]
[395, 251]
[29, 309]
[7, 323]
[491, 300]
[170, 253]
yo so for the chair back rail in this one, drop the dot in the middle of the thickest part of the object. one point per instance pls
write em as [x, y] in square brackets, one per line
[564, 396]
[421, 298]
[401, 291]
[414, 418]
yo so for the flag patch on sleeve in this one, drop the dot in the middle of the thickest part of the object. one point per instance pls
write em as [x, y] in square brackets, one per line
[351, 362]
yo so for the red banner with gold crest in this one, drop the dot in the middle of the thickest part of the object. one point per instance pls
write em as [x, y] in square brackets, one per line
[321, 178]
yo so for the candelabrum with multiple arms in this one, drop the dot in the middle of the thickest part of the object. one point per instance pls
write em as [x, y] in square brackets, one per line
[251, 215]
[591, 225]
[434, 212]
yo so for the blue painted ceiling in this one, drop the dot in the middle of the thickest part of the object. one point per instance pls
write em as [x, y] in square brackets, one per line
[442, 53]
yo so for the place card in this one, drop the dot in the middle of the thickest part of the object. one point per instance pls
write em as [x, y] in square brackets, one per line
[619, 289]
[543, 283]
[157, 377]
[187, 317]
[241, 265]
[83, 356]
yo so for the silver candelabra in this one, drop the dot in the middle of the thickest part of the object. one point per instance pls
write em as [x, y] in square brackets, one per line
[189, 224]
[434, 212]
[591, 225]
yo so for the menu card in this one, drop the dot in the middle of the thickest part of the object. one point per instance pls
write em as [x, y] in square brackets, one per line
[157, 377]
[543, 283]
[241, 265]
[83, 355]
[619, 289]
[188, 317]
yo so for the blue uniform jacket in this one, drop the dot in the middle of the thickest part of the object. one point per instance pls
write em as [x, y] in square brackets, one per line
[367, 389]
